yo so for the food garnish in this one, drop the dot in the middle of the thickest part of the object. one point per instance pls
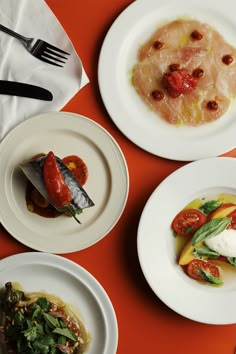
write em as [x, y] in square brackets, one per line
[56, 185]
[39, 323]
[206, 233]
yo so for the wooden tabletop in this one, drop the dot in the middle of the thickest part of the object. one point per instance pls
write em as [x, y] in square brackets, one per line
[146, 325]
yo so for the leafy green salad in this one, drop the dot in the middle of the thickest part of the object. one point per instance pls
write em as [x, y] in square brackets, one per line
[36, 324]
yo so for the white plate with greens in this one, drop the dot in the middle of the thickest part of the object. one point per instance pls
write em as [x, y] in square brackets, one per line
[74, 285]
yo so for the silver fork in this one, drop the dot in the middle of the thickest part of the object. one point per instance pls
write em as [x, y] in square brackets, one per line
[39, 48]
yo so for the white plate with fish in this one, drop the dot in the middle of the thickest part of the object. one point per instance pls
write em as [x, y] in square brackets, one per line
[157, 248]
[107, 184]
[118, 56]
[76, 287]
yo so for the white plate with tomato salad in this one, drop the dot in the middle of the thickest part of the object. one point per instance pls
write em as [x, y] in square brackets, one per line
[132, 28]
[50, 274]
[107, 182]
[185, 264]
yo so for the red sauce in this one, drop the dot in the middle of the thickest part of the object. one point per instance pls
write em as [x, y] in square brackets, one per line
[77, 166]
[227, 59]
[196, 36]
[198, 73]
[212, 105]
[34, 207]
[174, 67]
[37, 204]
[158, 45]
[157, 95]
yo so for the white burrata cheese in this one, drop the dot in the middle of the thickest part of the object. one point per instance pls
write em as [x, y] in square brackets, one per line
[224, 243]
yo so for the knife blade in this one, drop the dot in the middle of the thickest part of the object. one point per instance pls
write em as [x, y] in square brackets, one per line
[21, 89]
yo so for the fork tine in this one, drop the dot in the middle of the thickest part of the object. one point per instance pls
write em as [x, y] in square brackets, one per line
[48, 50]
[50, 46]
[52, 57]
[49, 61]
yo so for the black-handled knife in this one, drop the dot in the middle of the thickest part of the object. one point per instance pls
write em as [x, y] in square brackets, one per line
[21, 89]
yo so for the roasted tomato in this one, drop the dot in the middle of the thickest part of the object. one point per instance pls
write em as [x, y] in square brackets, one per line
[188, 221]
[193, 269]
[78, 167]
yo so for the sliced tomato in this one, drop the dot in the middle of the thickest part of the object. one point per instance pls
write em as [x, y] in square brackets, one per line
[232, 224]
[78, 167]
[188, 221]
[193, 269]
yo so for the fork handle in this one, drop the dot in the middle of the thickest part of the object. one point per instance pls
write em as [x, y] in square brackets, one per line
[26, 41]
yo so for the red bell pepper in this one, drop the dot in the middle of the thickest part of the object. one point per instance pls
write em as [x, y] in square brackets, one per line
[58, 191]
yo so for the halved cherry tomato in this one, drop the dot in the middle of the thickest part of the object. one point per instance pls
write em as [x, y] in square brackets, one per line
[188, 221]
[78, 167]
[193, 269]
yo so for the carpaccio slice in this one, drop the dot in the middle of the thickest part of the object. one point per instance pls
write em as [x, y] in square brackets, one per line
[197, 49]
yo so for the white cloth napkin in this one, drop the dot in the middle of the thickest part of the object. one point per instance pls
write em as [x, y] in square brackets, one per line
[34, 19]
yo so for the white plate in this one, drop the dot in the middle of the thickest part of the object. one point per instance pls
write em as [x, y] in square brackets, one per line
[74, 285]
[107, 185]
[157, 249]
[119, 55]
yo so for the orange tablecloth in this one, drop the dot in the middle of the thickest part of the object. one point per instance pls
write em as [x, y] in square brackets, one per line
[145, 324]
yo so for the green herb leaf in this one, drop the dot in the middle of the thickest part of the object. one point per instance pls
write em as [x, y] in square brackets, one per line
[204, 251]
[66, 332]
[210, 206]
[61, 340]
[51, 321]
[33, 331]
[43, 303]
[36, 311]
[209, 278]
[232, 260]
[210, 229]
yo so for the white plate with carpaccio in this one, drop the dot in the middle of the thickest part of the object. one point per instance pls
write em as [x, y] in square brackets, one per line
[172, 95]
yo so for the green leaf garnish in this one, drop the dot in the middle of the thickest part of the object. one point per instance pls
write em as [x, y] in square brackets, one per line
[204, 251]
[232, 260]
[210, 229]
[210, 206]
[51, 321]
[66, 333]
[208, 277]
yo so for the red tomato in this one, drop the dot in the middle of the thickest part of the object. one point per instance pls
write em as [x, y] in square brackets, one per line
[193, 269]
[232, 224]
[78, 167]
[188, 221]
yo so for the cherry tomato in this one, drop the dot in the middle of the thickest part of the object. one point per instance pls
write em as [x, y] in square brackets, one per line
[194, 265]
[78, 167]
[188, 221]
